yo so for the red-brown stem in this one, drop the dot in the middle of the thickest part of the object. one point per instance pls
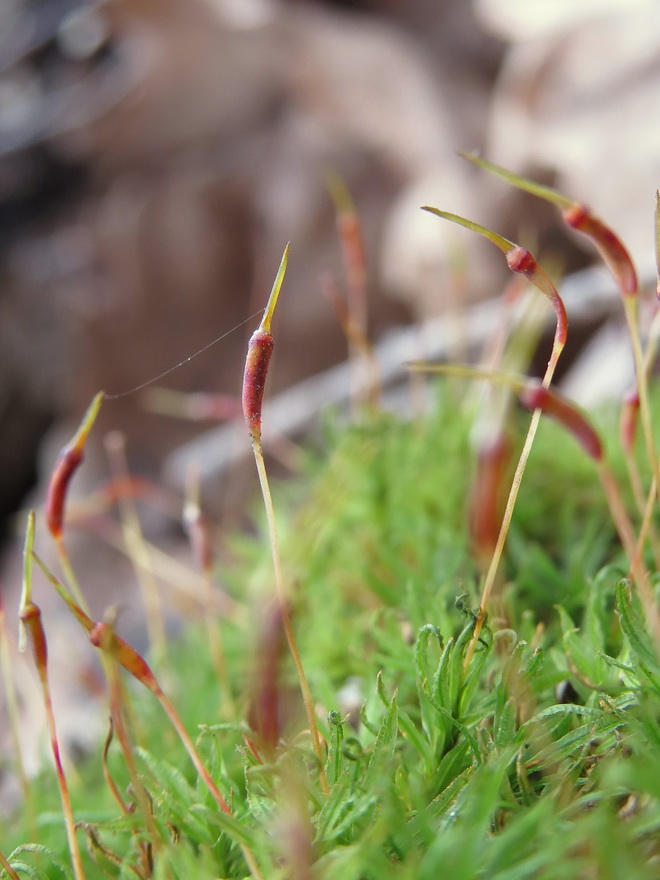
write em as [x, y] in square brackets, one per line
[203, 772]
[628, 421]
[360, 349]
[355, 324]
[192, 751]
[350, 235]
[103, 636]
[118, 723]
[30, 616]
[4, 863]
[353, 251]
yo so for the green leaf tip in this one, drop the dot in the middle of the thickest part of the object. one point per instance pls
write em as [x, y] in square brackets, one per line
[339, 192]
[464, 371]
[535, 189]
[87, 423]
[498, 240]
[577, 217]
[26, 589]
[275, 292]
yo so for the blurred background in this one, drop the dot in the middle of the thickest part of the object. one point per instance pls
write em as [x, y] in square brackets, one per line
[156, 155]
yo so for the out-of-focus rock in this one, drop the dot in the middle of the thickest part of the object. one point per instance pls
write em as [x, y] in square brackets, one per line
[578, 96]
[197, 138]
[200, 136]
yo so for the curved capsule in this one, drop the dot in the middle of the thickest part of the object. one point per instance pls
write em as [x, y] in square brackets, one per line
[612, 250]
[521, 261]
[551, 404]
[67, 464]
[102, 636]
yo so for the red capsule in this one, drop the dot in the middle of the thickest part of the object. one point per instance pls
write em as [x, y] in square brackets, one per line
[540, 397]
[103, 636]
[520, 260]
[610, 246]
[67, 464]
[260, 349]
[30, 617]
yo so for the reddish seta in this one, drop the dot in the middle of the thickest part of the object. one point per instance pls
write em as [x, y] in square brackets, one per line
[629, 420]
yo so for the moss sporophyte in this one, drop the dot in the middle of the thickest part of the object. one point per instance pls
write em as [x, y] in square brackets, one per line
[259, 352]
[517, 739]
